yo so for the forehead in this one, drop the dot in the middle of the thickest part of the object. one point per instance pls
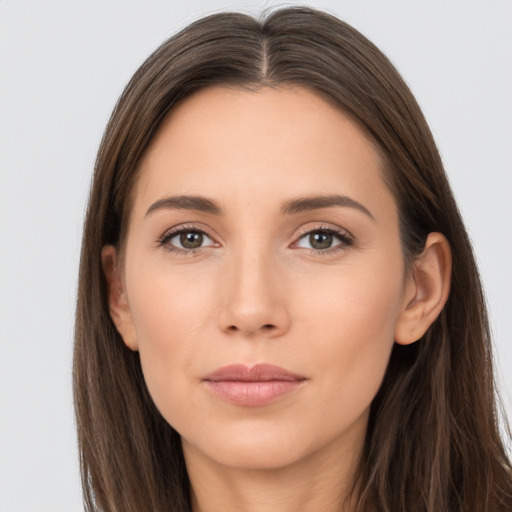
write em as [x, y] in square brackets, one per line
[264, 144]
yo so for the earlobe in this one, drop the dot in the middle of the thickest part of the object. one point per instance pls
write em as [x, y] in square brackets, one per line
[119, 307]
[426, 291]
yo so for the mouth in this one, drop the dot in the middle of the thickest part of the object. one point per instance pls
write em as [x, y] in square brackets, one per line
[252, 386]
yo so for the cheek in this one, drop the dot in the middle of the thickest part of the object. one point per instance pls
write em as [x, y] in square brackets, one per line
[353, 322]
[169, 312]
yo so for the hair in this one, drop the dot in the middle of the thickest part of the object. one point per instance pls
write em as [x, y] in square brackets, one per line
[433, 442]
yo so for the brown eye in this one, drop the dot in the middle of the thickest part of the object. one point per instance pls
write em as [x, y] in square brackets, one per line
[325, 240]
[320, 240]
[191, 239]
[186, 240]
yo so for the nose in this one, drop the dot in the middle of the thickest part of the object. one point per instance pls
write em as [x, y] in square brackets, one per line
[254, 299]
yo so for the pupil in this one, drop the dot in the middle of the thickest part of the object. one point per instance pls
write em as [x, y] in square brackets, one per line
[320, 240]
[191, 239]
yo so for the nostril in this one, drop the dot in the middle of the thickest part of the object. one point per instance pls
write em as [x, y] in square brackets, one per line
[266, 327]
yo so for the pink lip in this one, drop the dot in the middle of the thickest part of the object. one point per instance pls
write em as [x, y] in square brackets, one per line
[252, 386]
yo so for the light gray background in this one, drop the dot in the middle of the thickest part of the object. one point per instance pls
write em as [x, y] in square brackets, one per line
[62, 66]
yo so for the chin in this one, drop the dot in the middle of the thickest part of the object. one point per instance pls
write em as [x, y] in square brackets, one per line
[249, 447]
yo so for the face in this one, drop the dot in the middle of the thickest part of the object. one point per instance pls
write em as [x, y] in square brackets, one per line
[262, 233]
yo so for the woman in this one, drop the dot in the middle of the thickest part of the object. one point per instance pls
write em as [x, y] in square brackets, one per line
[278, 306]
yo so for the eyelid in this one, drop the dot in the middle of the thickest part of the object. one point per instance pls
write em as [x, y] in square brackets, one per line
[183, 228]
[323, 226]
[344, 236]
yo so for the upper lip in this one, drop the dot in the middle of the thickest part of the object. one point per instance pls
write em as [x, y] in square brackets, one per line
[258, 373]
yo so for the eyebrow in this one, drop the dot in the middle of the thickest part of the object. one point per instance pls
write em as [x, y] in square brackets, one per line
[305, 204]
[294, 206]
[198, 203]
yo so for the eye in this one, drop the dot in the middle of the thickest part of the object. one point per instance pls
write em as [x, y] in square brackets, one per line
[323, 240]
[186, 240]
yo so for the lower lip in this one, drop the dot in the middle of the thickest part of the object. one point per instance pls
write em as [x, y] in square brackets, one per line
[253, 394]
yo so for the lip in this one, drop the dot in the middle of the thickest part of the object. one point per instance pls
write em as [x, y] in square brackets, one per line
[252, 386]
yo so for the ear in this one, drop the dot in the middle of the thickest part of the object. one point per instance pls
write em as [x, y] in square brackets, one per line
[118, 301]
[426, 290]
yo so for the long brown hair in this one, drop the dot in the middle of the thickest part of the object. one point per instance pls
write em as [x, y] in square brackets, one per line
[433, 442]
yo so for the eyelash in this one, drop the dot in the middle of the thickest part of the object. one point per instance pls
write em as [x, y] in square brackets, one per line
[167, 237]
[343, 236]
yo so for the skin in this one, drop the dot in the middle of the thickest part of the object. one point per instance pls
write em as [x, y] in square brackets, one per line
[258, 289]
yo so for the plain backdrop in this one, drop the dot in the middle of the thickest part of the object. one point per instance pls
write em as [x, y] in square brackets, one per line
[63, 64]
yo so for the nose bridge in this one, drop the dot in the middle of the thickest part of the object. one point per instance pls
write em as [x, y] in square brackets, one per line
[253, 300]
[251, 277]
